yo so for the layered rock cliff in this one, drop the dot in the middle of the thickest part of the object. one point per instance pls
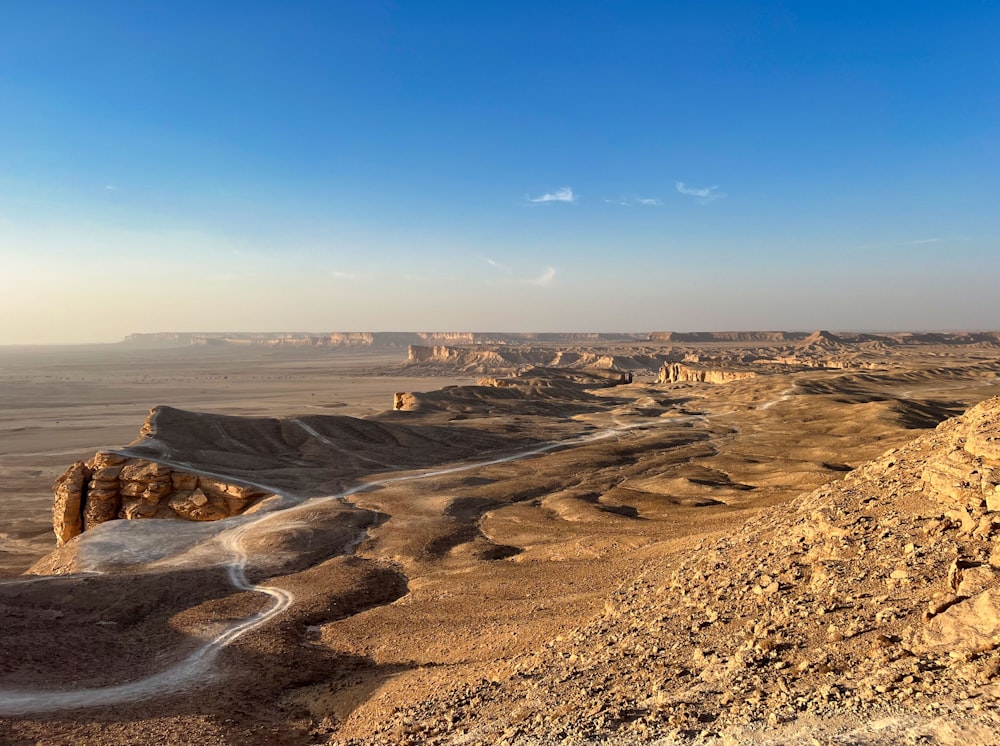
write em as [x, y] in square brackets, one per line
[506, 358]
[737, 336]
[109, 486]
[680, 373]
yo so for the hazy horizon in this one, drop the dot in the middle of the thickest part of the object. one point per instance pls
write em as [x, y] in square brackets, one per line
[587, 167]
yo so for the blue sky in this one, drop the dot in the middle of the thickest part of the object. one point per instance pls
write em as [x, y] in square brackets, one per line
[497, 166]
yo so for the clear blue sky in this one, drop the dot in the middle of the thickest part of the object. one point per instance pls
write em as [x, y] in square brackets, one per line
[510, 166]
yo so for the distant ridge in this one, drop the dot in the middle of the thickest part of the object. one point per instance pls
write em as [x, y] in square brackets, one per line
[403, 340]
[727, 336]
[372, 340]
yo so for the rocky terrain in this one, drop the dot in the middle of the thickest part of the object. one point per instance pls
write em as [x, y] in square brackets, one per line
[867, 611]
[803, 555]
[698, 356]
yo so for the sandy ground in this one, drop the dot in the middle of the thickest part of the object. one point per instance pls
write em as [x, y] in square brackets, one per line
[464, 570]
[60, 404]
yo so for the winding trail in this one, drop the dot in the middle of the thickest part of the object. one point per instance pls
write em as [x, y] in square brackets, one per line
[198, 664]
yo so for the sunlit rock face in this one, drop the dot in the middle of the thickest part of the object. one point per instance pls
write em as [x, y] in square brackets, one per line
[679, 373]
[109, 486]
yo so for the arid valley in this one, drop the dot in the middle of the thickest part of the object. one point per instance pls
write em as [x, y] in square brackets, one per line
[377, 538]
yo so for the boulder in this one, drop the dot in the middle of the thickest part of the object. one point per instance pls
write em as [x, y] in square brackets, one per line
[196, 506]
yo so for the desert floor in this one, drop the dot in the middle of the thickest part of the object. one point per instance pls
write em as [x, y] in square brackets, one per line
[60, 404]
[437, 613]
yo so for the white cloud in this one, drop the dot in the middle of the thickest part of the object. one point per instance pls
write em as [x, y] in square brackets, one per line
[497, 265]
[343, 275]
[559, 195]
[703, 195]
[110, 187]
[545, 279]
[631, 201]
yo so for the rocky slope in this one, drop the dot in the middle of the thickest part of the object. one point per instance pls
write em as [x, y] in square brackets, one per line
[866, 612]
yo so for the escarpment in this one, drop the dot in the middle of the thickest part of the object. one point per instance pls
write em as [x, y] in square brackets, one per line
[109, 486]
[679, 373]
[482, 358]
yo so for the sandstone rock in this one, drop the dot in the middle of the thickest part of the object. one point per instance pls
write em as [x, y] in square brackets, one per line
[950, 482]
[67, 505]
[972, 625]
[402, 400]
[196, 506]
[137, 509]
[678, 373]
[132, 489]
[993, 500]
[155, 491]
[107, 473]
[975, 580]
[103, 460]
[183, 481]
[983, 438]
[218, 487]
[141, 470]
[109, 486]
[99, 507]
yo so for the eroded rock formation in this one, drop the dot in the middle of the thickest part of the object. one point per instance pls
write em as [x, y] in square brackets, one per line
[482, 358]
[680, 373]
[110, 486]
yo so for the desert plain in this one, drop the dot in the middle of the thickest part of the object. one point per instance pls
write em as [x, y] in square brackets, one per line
[772, 537]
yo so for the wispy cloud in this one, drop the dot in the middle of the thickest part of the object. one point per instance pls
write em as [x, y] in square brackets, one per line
[110, 188]
[545, 279]
[635, 201]
[343, 275]
[704, 194]
[559, 195]
[497, 265]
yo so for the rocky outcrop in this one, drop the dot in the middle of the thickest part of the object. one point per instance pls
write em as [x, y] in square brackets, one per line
[509, 358]
[699, 337]
[548, 391]
[680, 373]
[110, 486]
[965, 474]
